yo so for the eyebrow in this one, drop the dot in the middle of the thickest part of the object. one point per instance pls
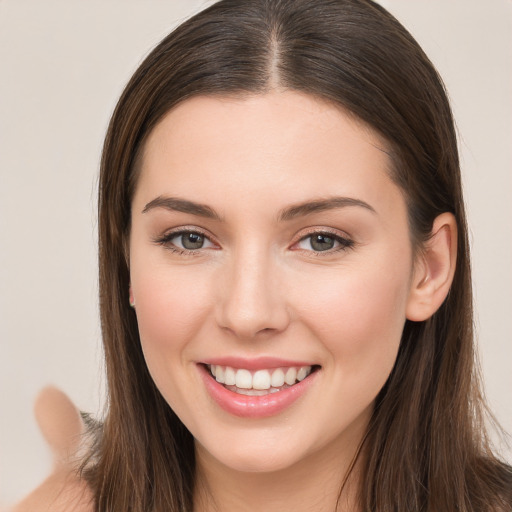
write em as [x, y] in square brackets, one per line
[320, 205]
[182, 205]
[292, 212]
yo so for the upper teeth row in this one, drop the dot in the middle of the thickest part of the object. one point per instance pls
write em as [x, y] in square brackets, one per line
[261, 379]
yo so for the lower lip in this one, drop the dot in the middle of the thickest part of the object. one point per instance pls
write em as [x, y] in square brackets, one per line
[254, 406]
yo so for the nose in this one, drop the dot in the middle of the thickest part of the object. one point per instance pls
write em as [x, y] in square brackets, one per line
[252, 302]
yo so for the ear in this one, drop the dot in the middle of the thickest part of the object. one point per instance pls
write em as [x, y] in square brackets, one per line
[131, 299]
[434, 270]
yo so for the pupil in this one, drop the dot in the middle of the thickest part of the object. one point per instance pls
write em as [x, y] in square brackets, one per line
[322, 242]
[192, 241]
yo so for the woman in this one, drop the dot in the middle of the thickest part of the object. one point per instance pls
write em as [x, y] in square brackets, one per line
[284, 272]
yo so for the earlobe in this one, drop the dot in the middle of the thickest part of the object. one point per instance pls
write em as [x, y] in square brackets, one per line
[434, 270]
[131, 299]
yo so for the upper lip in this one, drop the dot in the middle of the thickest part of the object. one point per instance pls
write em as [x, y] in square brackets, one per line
[257, 363]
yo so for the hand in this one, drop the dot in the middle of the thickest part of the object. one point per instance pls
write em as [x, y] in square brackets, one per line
[63, 428]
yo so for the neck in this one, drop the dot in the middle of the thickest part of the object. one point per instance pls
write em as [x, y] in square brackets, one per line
[326, 481]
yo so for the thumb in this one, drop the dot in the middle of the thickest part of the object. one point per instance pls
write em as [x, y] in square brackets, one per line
[62, 426]
[60, 422]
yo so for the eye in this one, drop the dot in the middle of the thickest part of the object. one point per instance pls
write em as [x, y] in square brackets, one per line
[185, 240]
[324, 241]
[189, 240]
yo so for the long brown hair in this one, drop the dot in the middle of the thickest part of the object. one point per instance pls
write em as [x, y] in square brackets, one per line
[426, 447]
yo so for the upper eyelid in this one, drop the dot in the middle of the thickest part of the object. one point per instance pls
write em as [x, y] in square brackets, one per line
[186, 229]
[166, 236]
[303, 233]
[346, 241]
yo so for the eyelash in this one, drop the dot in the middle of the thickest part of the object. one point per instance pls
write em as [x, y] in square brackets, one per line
[345, 243]
[165, 241]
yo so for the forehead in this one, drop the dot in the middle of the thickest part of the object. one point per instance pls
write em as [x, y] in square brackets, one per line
[286, 146]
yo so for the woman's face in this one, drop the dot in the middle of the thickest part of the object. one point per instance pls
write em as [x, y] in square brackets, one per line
[269, 246]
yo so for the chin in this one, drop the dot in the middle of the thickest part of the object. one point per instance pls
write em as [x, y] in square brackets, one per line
[252, 458]
[257, 464]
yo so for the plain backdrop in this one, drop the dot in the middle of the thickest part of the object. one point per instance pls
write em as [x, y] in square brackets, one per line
[63, 64]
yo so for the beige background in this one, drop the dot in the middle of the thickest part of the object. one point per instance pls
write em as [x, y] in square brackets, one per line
[63, 64]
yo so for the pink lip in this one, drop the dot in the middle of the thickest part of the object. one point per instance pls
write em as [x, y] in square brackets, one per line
[254, 406]
[259, 363]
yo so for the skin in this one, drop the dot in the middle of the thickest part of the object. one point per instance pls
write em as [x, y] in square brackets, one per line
[62, 427]
[257, 288]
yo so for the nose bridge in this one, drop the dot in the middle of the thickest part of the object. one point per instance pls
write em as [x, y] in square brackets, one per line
[251, 299]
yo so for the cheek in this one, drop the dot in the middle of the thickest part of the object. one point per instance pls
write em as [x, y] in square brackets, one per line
[171, 307]
[359, 318]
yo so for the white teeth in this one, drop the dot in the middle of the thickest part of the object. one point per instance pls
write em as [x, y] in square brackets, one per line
[291, 376]
[277, 378]
[302, 373]
[243, 379]
[262, 381]
[229, 376]
[219, 374]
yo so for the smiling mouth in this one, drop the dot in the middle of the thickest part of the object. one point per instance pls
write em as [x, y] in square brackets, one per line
[259, 382]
